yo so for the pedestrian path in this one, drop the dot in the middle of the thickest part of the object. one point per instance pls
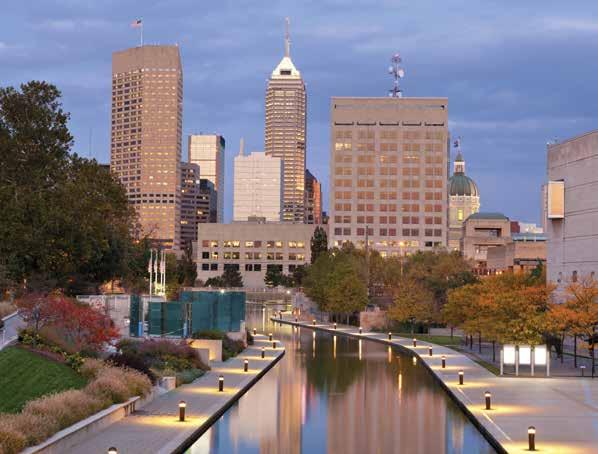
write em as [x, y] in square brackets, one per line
[564, 411]
[157, 429]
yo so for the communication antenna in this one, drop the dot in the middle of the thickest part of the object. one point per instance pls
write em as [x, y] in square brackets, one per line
[397, 73]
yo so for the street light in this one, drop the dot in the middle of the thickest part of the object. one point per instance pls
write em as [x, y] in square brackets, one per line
[220, 383]
[182, 407]
[245, 366]
[488, 396]
[274, 345]
[531, 438]
[443, 361]
[414, 361]
[460, 377]
[313, 322]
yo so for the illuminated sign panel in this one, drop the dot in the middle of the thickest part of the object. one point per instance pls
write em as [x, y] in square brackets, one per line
[525, 355]
[540, 355]
[556, 199]
[509, 354]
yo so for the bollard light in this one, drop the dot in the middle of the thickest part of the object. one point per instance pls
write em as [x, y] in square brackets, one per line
[360, 330]
[414, 361]
[389, 336]
[488, 396]
[460, 377]
[414, 342]
[221, 383]
[334, 325]
[429, 351]
[245, 366]
[313, 322]
[296, 319]
[254, 331]
[531, 438]
[273, 345]
[443, 361]
[182, 407]
[583, 370]
[112, 450]
[263, 352]
[270, 337]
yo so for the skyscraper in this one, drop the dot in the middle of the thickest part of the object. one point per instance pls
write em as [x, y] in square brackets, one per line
[389, 169]
[190, 200]
[313, 199]
[257, 187]
[145, 147]
[207, 150]
[285, 131]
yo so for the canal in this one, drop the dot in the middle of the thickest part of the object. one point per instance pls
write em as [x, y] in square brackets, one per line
[333, 394]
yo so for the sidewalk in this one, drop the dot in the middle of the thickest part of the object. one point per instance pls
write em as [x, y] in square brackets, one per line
[564, 411]
[157, 429]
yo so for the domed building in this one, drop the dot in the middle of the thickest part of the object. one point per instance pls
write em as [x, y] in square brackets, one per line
[464, 200]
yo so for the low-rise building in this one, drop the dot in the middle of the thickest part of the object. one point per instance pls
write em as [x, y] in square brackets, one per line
[252, 248]
[481, 232]
[571, 208]
[524, 253]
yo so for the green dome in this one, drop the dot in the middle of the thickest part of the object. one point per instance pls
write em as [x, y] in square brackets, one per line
[460, 184]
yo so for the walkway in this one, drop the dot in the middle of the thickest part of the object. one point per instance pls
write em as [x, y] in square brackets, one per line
[10, 331]
[157, 429]
[564, 411]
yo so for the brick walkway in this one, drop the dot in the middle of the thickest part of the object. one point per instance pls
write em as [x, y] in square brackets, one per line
[564, 411]
[156, 428]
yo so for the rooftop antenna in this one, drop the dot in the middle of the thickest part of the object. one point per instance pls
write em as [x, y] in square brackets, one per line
[242, 147]
[287, 38]
[398, 73]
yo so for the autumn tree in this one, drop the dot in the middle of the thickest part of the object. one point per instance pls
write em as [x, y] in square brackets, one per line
[413, 304]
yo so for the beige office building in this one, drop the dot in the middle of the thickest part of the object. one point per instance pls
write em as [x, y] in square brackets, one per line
[252, 248]
[572, 210]
[207, 151]
[145, 146]
[285, 131]
[389, 171]
[257, 187]
[482, 232]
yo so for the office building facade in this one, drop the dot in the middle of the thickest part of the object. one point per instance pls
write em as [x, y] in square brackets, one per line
[313, 199]
[257, 187]
[190, 195]
[145, 144]
[207, 151]
[389, 171]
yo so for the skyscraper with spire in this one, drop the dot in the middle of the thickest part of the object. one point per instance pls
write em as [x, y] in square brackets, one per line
[285, 131]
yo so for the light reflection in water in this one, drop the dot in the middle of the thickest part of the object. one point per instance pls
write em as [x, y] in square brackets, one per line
[308, 404]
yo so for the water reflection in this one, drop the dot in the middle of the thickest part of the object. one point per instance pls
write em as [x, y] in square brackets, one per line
[331, 394]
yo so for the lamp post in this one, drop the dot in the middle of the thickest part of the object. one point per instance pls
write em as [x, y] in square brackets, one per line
[531, 438]
[414, 361]
[273, 345]
[182, 407]
[360, 330]
[334, 325]
[389, 336]
[220, 383]
[460, 377]
[254, 331]
[583, 370]
[245, 365]
[429, 350]
[443, 361]
[313, 322]
[270, 337]
[488, 396]
[414, 342]
[263, 352]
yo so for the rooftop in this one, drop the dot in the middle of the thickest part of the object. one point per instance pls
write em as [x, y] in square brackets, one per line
[494, 216]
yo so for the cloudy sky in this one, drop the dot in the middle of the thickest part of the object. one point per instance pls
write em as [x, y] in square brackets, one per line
[517, 74]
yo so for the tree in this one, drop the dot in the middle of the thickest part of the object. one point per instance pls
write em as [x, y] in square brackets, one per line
[215, 282]
[299, 274]
[274, 276]
[345, 293]
[232, 277]
[319, 243]
[413, 304]
[186, 268]
[38, 310]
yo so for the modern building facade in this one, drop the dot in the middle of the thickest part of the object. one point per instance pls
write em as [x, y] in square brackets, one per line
[481, 232]
[145, 144]
[389, 172]
[524, 253]
[285, 132]
[190, 199]
[257, 187]
[313, 199]
[207, 208]
[572, 210]
[207, 151]
[252, 248]
[464, 200]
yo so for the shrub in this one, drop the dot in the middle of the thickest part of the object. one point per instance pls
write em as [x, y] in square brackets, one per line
[6, 309]
[250, 339]
[158, 353]
[187, 376]
[12, 441]
[109, 387]
[91, 368]
[231, 347]
[132, 361]
[35, 428]
[209, 334]
[66, 408]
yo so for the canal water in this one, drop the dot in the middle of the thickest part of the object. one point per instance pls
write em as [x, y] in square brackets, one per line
[333, 394]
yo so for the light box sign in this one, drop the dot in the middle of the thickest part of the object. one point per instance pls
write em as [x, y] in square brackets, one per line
[525, 355]
[508, 354]
[556, 200]
[540, 355]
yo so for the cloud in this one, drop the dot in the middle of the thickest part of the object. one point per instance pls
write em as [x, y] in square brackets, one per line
[579, 25]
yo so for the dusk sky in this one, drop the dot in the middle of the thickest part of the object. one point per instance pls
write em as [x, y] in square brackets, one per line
[517, 74]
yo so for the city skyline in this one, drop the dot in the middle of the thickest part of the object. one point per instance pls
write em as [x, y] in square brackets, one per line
[506, 105]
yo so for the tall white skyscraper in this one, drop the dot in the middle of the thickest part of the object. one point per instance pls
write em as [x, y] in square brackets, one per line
[207, 151]
[258, 187]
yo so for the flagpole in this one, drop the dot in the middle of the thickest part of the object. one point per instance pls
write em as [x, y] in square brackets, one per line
[164, 274]
[151, 265]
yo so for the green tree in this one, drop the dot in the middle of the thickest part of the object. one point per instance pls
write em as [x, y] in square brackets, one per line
[319, 243]
[186, 268]
[274, 276]
[232, 277]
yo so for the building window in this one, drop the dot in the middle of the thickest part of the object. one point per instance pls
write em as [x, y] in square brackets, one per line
[574, 276]
[257, 267]
[274, 267]
[205, 255]
[231, 266]
[213, 267]
[459, 214]
[205, 267]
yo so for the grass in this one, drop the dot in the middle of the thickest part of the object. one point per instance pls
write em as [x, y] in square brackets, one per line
[26, 376]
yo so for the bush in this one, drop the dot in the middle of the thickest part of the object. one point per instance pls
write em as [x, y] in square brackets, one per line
[231, 347]
[65, 408]
[159, 354]
[35, 428]
[132, 361]
[91, 368]
[6, 309]
[250, 339]
[108, 387]
[12, 441]
[187, 376]
[209, 334]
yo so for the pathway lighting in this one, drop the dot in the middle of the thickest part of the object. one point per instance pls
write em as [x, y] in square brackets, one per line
[583, 370]
[531, 438]
[360, 330]
[254, 331]
[313, 322]
[443, 361]
[296, 319]
[274, 345]
[222, 291]
[220, 383]
[270, 337]
[245, 366]
[263, 352]
[460, 377]
[430, 351]
[389, 336]
[182, 407]
[414, 342]
[334, 325]
[112, 450]
[488, 396]
[414, 361]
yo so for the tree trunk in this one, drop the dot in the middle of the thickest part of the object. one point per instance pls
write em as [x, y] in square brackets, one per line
[480, 342]
[593, 361]
[563, 350]
[471, 341]
[452, 329]
[493, 351]
[575, 351]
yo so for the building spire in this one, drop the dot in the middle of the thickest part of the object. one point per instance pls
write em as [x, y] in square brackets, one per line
[242, 147]
[287, 38]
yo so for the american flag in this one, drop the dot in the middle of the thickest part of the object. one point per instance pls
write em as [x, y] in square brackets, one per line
[457, 143]
[137, 23]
